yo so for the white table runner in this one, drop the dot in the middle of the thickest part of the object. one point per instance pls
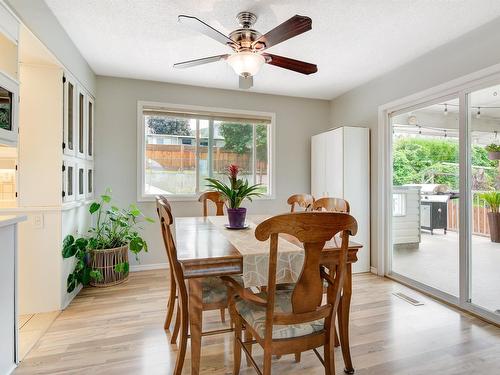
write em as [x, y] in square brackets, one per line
[256, 254]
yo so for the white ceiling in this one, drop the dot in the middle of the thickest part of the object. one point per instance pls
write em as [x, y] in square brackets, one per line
[352, 41]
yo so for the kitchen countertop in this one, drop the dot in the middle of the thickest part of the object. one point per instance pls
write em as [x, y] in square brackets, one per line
[6, 220]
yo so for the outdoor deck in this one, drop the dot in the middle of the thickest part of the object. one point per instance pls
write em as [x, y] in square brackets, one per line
[435, 263]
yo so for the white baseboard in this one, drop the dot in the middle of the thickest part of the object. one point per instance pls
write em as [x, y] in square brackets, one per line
[147, 267]
[373, 270]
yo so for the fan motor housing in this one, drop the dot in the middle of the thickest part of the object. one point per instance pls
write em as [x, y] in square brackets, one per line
[245, 37]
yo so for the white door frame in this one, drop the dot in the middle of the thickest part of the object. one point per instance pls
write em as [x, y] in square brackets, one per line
[460, 88]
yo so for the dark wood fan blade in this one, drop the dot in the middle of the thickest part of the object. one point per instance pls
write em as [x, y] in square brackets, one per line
[288, 29]
[290, 64]
[246, 82]
[205, 60]
[200, 26]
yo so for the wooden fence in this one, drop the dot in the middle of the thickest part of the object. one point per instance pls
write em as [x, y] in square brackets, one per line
[183, 157]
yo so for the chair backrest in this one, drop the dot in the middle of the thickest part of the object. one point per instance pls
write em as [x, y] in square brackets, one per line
[331, 205]
[312, 229]
[302, 200]
[215, 197]
[166, 220]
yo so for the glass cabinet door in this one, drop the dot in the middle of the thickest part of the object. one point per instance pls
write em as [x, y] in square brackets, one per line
[69, 116]
[81, 126]
[90, 127]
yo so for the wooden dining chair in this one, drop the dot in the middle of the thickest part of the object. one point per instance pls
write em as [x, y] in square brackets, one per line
[216, 198]
[215, 293]
[302, 200]
[293, 321]
[331, 205]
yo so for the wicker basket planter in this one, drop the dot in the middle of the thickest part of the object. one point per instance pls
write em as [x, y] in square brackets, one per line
[105, 261]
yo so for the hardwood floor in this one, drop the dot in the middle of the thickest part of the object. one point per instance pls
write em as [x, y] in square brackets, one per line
[31, 328]
[119, 330]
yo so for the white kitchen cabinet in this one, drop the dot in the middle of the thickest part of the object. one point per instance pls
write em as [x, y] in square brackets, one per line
[8, 293]
[341, 169]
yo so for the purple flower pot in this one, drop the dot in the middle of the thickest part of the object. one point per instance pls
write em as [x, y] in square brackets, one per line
[236, 217]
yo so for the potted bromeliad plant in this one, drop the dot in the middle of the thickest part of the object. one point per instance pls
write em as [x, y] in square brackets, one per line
[234, 194]
[102, 255]
[492, 199]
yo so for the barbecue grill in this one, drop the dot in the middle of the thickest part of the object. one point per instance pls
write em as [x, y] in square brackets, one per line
[434, 206]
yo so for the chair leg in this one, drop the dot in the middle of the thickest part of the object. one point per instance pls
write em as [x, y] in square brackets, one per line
[177, 325]
[297, 357]
[267, 362]
[337, 341]
[329, 348]
[237, 346]
[170, 302]
[223, 315]
[170, 312]
[248, 337]
[181, 354]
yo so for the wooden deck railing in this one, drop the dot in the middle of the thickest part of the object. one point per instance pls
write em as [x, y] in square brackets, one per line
[479, 215]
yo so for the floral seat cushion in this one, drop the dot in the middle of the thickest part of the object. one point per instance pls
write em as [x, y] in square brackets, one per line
[214, 289]
[255, 315]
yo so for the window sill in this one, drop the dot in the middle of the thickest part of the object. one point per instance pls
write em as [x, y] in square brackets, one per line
[192, 198]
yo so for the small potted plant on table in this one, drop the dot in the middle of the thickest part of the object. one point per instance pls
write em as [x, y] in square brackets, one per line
[234, 194]
[492, 199]
[102, 257]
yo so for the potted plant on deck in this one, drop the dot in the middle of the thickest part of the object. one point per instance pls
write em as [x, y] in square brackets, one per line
[492, 199]
[493, 151]
[102, 256]
[234, 194]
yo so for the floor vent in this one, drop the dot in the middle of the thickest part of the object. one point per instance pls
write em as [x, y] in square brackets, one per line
[408, 299]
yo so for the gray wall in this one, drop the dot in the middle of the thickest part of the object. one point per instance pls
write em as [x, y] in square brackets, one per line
[359, 107]
[37, 16]
[116, 141]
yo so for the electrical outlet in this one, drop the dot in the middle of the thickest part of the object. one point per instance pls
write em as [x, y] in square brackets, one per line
[38, 221]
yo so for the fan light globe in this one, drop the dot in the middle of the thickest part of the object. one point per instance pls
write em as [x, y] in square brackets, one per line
[246, 64]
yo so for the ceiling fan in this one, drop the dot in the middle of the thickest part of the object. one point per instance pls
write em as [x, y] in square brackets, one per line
[248, 46]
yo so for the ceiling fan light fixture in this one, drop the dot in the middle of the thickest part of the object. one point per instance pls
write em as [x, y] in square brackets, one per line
[246, 64]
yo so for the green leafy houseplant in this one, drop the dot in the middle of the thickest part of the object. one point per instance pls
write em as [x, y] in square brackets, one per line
[492, 147]
[114, 227]
[492, 199]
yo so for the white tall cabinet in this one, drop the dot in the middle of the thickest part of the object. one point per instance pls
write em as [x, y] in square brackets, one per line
[340, 168]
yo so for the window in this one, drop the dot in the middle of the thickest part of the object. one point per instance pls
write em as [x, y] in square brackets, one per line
[398, 204]
[181, 148]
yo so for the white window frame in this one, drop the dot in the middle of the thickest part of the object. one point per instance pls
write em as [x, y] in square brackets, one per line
[141, 143]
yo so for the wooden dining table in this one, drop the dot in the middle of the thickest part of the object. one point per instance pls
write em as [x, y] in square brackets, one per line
[204, 251]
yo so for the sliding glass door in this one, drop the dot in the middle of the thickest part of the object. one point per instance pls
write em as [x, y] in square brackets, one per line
[444, 226]
[484, 255]
[425, 191]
